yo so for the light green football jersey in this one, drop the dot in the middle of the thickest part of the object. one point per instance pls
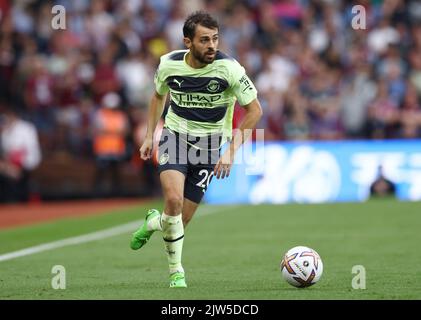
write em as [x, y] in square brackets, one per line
[202, 100]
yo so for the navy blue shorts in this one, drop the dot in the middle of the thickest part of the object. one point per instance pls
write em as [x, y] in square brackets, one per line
[193, 156]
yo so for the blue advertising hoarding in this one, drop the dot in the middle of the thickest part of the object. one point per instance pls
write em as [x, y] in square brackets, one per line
[318, 172]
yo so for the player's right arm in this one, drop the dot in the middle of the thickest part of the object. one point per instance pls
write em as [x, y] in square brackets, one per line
[156, 108]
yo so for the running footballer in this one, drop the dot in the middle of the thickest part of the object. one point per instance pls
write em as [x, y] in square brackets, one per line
[203, 85]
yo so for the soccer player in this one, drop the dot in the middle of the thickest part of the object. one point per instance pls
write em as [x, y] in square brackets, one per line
[203, 84]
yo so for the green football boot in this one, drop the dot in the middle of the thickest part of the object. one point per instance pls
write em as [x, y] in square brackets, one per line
[177, 280]
[142, 235]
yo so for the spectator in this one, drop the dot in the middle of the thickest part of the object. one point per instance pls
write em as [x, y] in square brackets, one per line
[382, 36]
[383, 114]
[381, 186]
[38, 94]
[415, 59]
[110, 131]
[105, 79]
[356, 95]
[297, 122]
[410, 115]
[392, 69]
[20, 154]
[134, 73]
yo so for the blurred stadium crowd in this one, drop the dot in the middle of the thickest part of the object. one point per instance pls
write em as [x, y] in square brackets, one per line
[317, 77]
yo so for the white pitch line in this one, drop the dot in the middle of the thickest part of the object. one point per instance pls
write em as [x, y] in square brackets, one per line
[93, 236]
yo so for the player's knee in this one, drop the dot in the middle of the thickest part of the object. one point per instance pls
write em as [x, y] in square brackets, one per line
[174, 203]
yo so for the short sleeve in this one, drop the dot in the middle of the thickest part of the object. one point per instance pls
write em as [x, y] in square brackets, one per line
[242, 87]
[160, 84]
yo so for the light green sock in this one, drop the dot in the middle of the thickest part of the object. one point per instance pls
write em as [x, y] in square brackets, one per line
[173, 233]
[154, 224]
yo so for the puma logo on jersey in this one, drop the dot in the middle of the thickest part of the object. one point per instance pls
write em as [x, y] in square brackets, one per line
[178, 82]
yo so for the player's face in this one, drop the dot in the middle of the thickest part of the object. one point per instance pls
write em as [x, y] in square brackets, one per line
[204, 44]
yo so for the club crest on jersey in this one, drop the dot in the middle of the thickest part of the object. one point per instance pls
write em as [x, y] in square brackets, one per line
[213, 86]
[163, 159]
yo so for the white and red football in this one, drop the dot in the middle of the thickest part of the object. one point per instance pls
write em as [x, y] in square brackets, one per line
[301, 267]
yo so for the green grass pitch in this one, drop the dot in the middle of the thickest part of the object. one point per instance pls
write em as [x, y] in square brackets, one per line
[230, 252]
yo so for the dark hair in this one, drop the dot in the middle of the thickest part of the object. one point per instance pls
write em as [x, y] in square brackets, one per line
[198, 17]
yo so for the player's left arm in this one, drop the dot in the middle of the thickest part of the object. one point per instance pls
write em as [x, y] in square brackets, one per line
[243, 133]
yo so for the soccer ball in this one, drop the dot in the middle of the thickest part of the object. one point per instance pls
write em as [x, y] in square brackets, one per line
[301, 267]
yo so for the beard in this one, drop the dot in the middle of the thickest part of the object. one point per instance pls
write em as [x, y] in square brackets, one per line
[203, 57]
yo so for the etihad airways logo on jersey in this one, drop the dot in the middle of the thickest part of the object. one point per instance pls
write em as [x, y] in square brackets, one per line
[195, 99]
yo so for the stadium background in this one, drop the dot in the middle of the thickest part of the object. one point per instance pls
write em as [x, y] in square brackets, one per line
[348, 99]
[318, 78]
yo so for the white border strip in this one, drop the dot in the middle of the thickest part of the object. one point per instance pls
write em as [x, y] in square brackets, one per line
[94, 236]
